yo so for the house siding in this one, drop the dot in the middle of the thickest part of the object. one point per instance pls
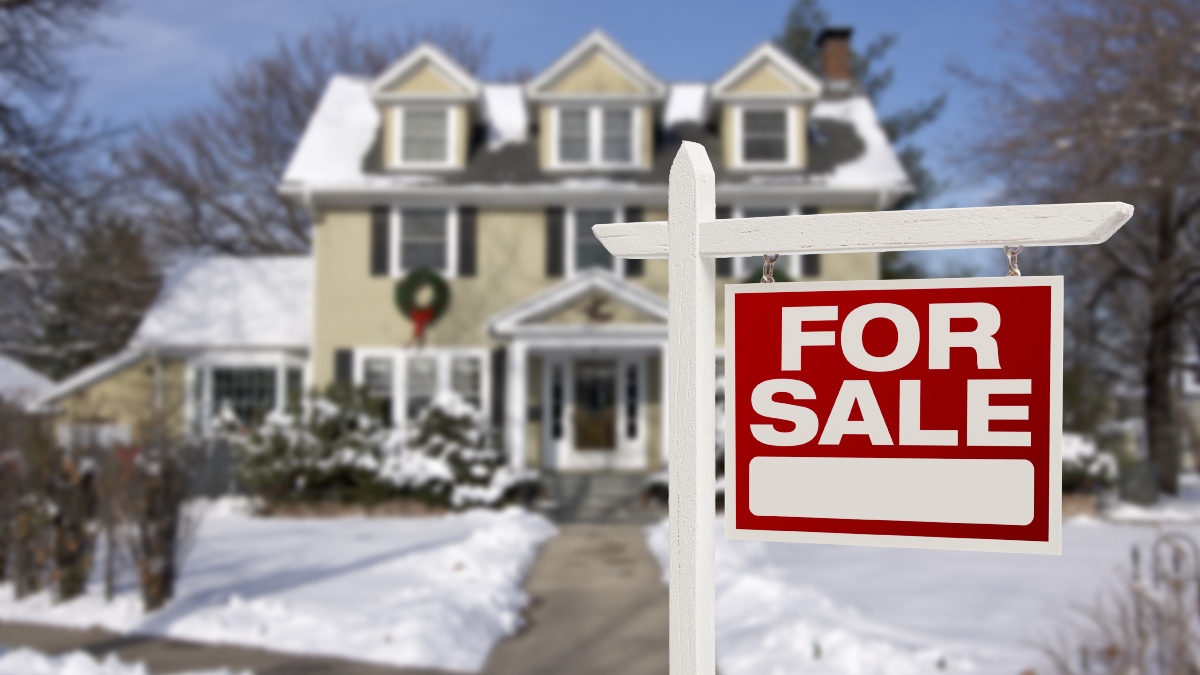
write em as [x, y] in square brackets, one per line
[128, 398]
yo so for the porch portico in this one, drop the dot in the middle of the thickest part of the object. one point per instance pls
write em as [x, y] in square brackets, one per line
[585, 377]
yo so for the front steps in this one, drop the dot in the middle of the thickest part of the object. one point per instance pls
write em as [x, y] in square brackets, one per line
[599, 498]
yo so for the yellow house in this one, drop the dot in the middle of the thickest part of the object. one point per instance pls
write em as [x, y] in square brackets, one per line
[494, 188]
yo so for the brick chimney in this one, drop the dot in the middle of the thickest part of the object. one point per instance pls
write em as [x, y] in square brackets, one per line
[834, 46]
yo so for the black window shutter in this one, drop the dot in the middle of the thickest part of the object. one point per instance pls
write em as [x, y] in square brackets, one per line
[343, 366]
[634, 267]
[499, 388]
[724, 265]
[467, 225]
[555, 241]
[810, 265]
[379, 240]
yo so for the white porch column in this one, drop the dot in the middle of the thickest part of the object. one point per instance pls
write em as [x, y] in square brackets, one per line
[691, 300]
[514, 403]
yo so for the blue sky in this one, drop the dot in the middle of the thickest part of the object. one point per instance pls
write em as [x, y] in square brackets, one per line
[162, 56]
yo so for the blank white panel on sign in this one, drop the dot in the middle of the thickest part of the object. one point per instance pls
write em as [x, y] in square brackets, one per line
[977, 491]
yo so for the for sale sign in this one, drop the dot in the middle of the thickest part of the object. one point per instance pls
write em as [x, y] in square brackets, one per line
[923, 413]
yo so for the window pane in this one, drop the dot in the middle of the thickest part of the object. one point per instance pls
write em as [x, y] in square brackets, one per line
[422, 384]
[618, 135]
[764, 135]
[423, 239]
[249, 393]
[377, 378]
[465, 379]
[425, 136]
[573, 136]
[589, 252]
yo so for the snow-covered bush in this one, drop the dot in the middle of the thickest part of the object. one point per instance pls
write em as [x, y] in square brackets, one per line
[1084, 467]
[329, 449]
[334, 449]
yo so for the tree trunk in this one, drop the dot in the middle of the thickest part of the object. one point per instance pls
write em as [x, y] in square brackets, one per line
[1162, 432]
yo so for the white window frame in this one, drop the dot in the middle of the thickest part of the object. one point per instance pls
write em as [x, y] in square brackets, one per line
[196, 411]
[396, 233]
[596, 137]
[792, 123]
[569, 267]
[397, 149]
[443, 356]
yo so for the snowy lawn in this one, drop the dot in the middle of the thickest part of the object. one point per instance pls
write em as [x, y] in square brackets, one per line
[29, 662]
[808, 608]
[432, 592]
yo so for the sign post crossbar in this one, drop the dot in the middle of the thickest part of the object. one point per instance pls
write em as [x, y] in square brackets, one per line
[690, 240]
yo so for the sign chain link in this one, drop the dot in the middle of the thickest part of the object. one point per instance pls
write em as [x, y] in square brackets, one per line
[768, 276]
[1012, 252]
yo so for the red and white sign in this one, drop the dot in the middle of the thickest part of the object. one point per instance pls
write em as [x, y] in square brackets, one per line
[920, 413]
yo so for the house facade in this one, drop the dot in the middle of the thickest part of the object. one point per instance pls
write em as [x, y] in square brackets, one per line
[494, 188]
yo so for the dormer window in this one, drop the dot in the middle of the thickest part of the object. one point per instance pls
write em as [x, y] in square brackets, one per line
[424, 136]
[596, 136]
[766, 137]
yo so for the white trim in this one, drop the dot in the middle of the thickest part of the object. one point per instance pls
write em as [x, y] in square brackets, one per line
[595, 160]
[396, 239]
[443, 64]
[769, 53]
[398, 114]
[509, 321]
[595, 41]
[792, 130]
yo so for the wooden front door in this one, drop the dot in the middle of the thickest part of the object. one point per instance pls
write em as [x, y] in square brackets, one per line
[596, 405]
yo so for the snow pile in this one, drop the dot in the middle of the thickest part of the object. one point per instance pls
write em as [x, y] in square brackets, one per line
[893, 610]
[19, 384]
[1182, 508]
[29, 662]
[878, 165]
[507, 118]
[417, 592]
[338, 136]
[687, 102]
[223, 301]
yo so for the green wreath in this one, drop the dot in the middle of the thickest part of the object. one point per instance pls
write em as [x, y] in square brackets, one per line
[406, 296]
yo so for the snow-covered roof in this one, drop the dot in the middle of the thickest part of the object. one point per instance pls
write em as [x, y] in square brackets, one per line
[878, 165]
[19, 384]
[506, 114]
[226, 302]
[338, 136]
[686, 102]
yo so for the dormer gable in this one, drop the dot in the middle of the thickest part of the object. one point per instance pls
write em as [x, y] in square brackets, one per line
[426, 101]
[597, 108]
[596, 67]
[426, 72]
[765, 101]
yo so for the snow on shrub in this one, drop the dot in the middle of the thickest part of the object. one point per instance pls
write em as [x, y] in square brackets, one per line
[1084, 467]
[333, 448]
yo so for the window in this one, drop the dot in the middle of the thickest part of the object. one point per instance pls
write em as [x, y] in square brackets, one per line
[618, 136]
[589, 252]
[377, 376]
[597, 136]
[573, 142]
[466, 379]
[422, 385]
[425, 138]
[764, 136]
[423, 239]
[248, 393]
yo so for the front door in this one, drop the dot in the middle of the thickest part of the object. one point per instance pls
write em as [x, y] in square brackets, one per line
[596, 405]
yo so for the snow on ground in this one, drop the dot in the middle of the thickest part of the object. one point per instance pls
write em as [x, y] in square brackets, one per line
[1184, 508]
[808, 608]
[29, 662]
[419, 592]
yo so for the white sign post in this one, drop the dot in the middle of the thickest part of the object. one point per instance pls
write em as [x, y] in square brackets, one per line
[690, 240]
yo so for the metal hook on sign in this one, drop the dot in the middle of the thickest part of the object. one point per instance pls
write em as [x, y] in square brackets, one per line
[768, 276]
[1012, 252]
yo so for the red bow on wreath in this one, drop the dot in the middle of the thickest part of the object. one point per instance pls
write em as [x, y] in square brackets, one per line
[422, 315]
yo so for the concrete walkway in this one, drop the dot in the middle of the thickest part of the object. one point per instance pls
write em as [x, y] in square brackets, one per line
[597, 606]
